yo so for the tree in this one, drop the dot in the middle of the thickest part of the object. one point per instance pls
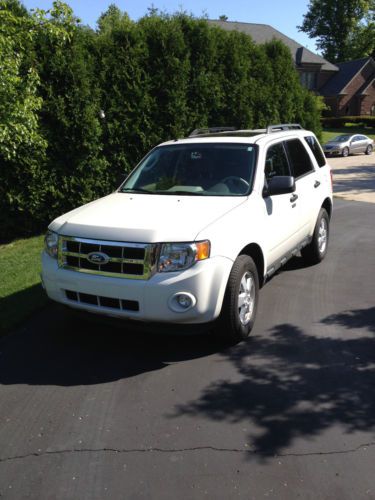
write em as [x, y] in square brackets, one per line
[22, 145]
[19, 101]
[71, 124]
[111, 19]
[344, 28]
[363, 37]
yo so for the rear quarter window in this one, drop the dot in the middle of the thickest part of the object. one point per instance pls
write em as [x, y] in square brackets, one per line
[316, 150]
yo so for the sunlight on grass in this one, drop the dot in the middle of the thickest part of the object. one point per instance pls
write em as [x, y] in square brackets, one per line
[20, 289]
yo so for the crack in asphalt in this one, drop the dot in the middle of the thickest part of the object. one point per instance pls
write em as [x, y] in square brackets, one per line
[181, 450]
[335, 452]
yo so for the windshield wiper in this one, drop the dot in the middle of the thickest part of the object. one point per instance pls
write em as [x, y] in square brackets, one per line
[138, 190]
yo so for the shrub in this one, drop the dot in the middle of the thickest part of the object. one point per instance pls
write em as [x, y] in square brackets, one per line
[341, 121]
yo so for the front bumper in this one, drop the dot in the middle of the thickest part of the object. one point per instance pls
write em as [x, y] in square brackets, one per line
[205, 281]
[332, 152]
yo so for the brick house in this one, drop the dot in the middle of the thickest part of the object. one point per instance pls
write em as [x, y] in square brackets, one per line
[348, 88]
[351, 91]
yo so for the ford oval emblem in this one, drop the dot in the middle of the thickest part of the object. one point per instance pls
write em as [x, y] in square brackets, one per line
[98, 258]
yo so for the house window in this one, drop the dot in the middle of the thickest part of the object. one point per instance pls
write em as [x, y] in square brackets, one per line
[308, 79]
[373, 110]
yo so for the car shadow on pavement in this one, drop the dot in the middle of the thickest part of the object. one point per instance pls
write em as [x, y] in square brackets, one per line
[16, 307]
[296, 385]
[57, 347]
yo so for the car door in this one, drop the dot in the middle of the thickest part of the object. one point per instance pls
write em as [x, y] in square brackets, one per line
[362, 143]
[355, 144]
[281, 217]
[308, 182]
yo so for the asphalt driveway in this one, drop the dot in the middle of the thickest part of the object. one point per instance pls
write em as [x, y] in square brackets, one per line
[89, 411]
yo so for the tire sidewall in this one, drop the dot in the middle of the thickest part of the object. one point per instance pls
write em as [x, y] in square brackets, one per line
[231, 326]
[322, 215]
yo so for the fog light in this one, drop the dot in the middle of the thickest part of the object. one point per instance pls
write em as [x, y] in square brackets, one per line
[184, 301]
[181, 302]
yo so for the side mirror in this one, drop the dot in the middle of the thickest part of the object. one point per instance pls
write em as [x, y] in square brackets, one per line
[280, 184]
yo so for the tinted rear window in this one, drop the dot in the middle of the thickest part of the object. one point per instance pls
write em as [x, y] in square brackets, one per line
[299, 158]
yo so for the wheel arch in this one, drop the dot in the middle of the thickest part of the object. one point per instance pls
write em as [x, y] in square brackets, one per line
[254, 251]
[327, 205]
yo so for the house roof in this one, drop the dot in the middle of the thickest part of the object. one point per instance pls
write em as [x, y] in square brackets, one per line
[367, 85]
[347, 71]
[262, 33]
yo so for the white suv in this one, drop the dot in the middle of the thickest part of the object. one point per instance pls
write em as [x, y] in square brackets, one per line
[195, 229]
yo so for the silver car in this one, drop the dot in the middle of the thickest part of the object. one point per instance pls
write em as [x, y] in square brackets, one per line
[345, 145]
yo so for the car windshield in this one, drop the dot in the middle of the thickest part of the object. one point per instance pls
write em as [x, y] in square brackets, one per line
[341, 138]
[207, 169]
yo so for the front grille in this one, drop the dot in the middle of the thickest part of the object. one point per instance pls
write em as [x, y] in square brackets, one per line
[118, 259]
[97, 300]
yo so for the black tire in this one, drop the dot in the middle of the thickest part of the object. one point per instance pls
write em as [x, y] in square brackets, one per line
[317, 249]
[236, 322]
[368, 150]
[345, 152]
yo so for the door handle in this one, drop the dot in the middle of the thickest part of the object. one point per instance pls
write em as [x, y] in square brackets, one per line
[293, 198]
[316, 184]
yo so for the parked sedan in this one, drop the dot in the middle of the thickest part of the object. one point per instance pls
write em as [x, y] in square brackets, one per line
[345, 145]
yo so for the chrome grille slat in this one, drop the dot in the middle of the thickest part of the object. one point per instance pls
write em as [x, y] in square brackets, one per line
[120, 264]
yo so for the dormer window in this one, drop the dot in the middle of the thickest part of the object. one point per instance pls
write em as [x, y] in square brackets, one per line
[308, 79]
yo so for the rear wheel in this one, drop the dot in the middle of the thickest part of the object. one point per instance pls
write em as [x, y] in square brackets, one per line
[345, 152]
[240, 301]
[368, 149]
[317, 249]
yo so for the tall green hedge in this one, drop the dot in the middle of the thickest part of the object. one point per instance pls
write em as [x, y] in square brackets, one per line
[108, 96]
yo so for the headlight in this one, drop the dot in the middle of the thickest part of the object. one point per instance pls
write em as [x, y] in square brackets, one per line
[51, 242]
[180, 256]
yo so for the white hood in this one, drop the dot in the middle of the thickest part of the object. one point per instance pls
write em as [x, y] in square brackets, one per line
[144, 218]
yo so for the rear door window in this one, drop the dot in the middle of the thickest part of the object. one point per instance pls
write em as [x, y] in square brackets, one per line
[299, 158]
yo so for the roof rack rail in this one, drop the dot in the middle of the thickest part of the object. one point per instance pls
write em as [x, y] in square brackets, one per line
[283, 126]
[206, 131]
[211, 130]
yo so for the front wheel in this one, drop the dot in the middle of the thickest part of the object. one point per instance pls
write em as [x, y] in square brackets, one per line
[240, 301]
[345, 152]
[317, 249]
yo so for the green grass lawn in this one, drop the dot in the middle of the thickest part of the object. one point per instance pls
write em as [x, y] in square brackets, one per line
[351, 129]
[20, 289]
